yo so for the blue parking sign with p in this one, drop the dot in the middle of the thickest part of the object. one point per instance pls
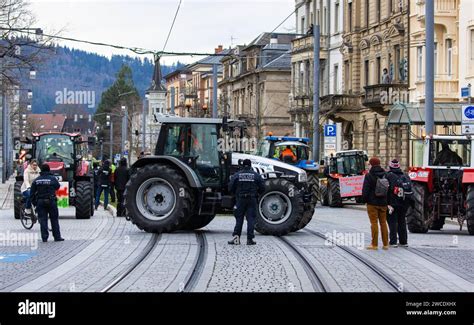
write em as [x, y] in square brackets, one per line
[330, 130]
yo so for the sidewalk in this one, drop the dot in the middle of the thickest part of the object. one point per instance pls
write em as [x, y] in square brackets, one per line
[6, 194]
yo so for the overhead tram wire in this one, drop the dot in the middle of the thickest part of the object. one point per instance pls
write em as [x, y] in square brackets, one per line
[172, 25]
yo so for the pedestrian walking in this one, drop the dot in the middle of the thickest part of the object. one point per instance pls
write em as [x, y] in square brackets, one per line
[31, 173]
[399, 199]
[43, 196]
[103, 185]
[112, 182]
[246, 185]
[374, 193]
[122, 175]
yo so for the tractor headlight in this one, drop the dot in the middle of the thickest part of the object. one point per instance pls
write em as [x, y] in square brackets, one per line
[302, 178]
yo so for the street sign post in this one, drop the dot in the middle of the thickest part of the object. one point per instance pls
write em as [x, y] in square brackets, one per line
[465, 92]
[330, 130]
[330, 140]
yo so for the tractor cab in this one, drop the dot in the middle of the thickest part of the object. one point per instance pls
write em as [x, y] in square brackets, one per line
[291, 150]
[346, 163]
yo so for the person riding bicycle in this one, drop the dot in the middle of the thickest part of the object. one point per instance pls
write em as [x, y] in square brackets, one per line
[31, 173]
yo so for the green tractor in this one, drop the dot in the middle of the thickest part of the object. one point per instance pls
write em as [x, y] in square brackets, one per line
[185, 183]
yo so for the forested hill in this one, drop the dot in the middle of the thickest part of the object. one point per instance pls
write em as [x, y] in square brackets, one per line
[77, 70]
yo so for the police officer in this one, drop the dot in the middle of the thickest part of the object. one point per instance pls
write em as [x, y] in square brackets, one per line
[246, 185]
[43, 191]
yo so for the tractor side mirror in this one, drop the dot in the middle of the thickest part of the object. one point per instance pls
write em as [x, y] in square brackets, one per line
[17, 156]
[366, 158]
[321, 162]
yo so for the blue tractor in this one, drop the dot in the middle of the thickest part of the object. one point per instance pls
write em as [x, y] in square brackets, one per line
[294, 151]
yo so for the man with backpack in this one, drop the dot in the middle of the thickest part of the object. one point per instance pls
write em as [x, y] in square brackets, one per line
[399, 198]
[374, 193]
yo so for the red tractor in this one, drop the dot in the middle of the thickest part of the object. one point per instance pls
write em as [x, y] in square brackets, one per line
[344, 172]
[65, 153]
[444, 186]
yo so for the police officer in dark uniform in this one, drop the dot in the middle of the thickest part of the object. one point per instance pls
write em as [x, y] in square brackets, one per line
[43, 191]
[246, 185]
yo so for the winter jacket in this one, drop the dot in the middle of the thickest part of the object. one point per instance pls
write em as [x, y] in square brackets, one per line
[393, 175]
[104, 176]
[44, 188]
[368, 189]
[29, 176]
[122, 176]
[246, 183]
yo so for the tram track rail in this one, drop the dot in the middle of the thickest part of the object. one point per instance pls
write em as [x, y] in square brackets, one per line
[155, 238]
[198, 265]
[316, 280]
[362, 259]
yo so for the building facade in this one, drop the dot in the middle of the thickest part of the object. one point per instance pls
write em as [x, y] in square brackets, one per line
[256, 84]
[176, 83]
[466, 44]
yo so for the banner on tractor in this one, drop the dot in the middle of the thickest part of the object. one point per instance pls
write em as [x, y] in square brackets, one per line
[63, 195]
[351, 186]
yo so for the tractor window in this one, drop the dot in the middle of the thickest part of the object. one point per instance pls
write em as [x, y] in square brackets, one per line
[176, 141]
[203, 146]
[264, 149]
[450, 152]
[303, 153]
[55, 147]
[350, 165]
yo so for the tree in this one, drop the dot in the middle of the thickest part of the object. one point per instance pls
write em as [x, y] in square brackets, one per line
[122, 93]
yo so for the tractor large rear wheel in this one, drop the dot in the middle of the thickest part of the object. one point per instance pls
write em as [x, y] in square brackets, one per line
[84, 197]
[324, 195]
[313, 182]
[158, 199]
[280, 209]
[18, 200]
[418, 215]
[334, 193]
[198, 222]
[470, 209]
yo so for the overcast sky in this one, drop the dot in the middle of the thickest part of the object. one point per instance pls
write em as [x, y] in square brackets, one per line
[200, 26]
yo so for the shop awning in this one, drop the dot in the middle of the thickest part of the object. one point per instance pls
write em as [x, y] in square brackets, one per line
[414, 114]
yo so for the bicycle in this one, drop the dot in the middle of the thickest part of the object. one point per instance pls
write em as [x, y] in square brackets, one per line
[28, 220]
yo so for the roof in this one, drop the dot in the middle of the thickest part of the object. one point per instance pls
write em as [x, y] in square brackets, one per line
[212, 59]
[46, 122]
[281, 62]
[292, 143]
[264, 39]
[176, 72]
[414, 114]
[279, 47]
[82, 125]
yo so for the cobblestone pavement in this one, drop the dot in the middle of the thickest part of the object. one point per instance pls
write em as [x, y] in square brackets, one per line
[413, 271]
[98, 250]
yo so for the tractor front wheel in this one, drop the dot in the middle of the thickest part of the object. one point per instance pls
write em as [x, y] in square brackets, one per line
[84, 197]
[280, 208]
[418, 215]
[470, 209]
[158, 199]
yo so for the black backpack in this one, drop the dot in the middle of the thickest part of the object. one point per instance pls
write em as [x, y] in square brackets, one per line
[403, 187]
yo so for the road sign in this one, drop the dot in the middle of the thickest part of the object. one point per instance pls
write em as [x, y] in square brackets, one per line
[330, 130]
[468, 114]
[468, 129]
[465, 92]
[330, 140]
[329, 146]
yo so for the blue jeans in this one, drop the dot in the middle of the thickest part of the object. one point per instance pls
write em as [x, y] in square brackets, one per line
[106, 196]
[27, 197]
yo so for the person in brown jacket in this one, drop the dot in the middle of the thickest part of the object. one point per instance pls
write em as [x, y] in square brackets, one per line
[377, 203]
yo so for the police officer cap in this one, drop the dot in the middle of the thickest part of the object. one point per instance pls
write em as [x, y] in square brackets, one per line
[247, 163]
[45, 168]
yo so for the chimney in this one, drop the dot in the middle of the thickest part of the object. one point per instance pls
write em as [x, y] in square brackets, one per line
[274, 39]
[218, 49]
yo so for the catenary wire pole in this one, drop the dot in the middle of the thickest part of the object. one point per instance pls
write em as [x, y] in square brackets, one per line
[316, 135]
[429, 95]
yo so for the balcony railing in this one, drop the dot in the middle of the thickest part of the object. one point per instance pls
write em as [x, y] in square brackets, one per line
[338, 102]
[305, 43]
[442, 8]
[378, 96]
[443, 90]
